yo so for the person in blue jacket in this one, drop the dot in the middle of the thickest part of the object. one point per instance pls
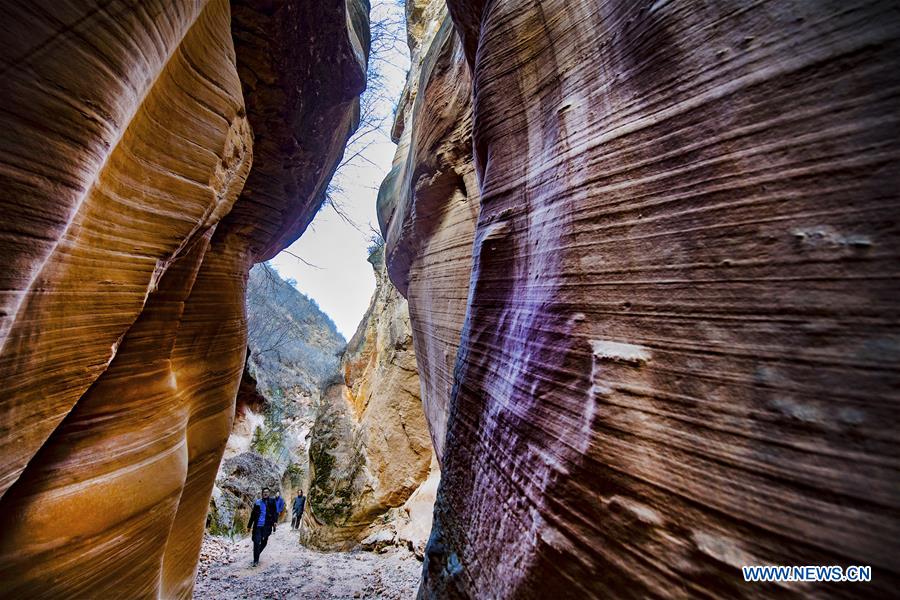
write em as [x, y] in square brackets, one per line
[262, 520]
[279, 508]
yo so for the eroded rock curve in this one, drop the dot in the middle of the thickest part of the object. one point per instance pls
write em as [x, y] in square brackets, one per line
[127, 234]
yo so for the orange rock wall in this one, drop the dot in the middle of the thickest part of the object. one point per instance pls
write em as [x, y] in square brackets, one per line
[370, 448]
[681, 344]
[127, 234]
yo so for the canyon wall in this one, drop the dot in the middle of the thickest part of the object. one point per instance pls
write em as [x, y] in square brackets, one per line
[429, 202]
[370, 449]
[681, 345]
[130, 220]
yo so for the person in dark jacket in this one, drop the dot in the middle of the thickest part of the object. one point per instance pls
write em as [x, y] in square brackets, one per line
[262, 518]
[299, 504]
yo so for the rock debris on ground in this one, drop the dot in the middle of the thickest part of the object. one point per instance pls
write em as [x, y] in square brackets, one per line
[289, 570]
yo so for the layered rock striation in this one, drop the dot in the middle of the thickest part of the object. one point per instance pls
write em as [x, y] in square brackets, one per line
[130, 220]
[370, 449]
[429, 202]
[680, 346]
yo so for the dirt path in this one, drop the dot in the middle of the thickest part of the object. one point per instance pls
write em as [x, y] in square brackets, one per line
[289, 570]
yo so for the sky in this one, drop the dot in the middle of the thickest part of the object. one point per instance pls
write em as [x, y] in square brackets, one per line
[341, 281]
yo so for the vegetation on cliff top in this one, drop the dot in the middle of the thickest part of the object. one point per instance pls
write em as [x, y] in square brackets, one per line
[293, 344]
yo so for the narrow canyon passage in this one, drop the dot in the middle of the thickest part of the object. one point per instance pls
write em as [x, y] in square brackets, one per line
[626, 324]
[290, 570]
[342, 426]
[329, 409]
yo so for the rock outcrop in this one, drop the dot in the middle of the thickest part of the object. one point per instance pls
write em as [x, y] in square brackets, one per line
[239, 482]
[295, 348]
[370, 448]
[680, 352]
[131, 216]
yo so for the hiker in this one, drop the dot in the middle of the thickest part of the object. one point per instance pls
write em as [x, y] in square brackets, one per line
[299, 503]
[262, 521]
[279, 508]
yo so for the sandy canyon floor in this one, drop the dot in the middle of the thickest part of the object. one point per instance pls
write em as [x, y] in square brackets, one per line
[289, 570]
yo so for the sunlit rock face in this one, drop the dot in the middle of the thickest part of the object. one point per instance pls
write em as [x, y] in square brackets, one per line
[428, 204]
[370, 448]
[681, 347]
[249, 407]
[126, 239]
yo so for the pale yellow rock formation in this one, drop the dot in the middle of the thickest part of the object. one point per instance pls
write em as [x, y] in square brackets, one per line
[414, 518]
[371, 448]
[397, 443]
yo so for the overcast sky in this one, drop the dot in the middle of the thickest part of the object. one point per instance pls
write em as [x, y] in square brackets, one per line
[344, 282]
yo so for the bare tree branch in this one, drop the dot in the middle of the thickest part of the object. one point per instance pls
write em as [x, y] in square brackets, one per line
[303, 260]
[388, 39]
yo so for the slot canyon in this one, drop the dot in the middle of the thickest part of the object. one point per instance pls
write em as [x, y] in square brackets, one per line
[636, 319]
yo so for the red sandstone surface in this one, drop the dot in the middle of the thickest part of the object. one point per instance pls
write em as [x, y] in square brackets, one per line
[680, 352]
[131, 217]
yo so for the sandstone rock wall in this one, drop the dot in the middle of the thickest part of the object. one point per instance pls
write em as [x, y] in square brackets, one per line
[429, 202]
[127, 232]
[370, 448]
[681, 344]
